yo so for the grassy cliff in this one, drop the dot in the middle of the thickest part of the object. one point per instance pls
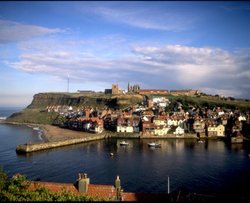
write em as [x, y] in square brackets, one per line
[35, 113]
[42, 100]
[33, 116]
[211, 102]
[203, 100]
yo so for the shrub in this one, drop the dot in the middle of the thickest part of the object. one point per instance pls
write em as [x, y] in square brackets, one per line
[17, 189]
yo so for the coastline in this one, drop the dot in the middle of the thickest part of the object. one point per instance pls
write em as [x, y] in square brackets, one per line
[52, 133]
[54, 136]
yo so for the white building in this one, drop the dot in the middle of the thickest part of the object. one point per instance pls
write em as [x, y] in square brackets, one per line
[241, 118]
[161, 130]
[179, 131]
[125, 129]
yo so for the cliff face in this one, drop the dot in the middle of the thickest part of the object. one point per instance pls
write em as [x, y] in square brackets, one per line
[42, 100]
[35, 113]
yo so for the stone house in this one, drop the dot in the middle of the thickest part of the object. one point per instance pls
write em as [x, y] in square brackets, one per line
[212, 131]
[179, 131]
[216, 130]
[148, 129]
[125, 129]
[221, 130]
[161, 130]
[158, 122]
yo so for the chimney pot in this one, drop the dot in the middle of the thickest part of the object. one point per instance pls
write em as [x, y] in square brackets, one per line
[117, 182]
[83, 183]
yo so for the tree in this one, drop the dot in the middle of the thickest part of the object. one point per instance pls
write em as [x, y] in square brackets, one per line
[17, 189]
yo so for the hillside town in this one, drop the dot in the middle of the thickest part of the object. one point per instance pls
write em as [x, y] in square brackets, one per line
[153, 118]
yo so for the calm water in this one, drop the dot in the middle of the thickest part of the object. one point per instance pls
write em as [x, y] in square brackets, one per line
[212, 167]
[7, 111]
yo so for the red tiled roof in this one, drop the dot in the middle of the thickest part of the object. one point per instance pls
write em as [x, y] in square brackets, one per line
[54, 187]
[99, 191]
[103, 191]
[152, 90]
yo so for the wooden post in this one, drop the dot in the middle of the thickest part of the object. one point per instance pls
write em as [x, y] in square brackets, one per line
[168, 185]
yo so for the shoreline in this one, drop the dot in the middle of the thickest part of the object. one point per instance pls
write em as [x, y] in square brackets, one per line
[54, 136]
[51, 133]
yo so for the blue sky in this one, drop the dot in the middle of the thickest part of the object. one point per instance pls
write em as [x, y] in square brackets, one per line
[162, 44]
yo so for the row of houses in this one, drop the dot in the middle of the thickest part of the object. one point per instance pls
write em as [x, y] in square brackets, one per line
[151, 125]
[151, 119]
[147, 124]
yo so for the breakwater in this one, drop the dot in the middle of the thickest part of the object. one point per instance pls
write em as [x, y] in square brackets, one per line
[26, 148]
[29, 147]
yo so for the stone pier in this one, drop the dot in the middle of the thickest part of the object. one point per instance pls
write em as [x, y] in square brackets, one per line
[26, 148]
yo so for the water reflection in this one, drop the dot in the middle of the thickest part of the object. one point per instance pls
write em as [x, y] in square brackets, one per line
[206, 167]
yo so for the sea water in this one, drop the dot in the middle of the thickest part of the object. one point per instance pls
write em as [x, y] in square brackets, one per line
[213, 167]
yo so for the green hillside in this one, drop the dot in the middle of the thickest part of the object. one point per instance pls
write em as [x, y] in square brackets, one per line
[203, 100]
[42, 100]
[35, 112]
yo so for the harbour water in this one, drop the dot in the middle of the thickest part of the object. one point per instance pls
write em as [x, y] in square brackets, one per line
[212, 167]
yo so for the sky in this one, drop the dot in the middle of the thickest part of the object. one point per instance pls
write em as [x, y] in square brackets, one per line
[92, 44]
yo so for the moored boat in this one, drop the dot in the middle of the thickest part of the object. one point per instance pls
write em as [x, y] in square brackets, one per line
[200, 141]
[153, 144]
[123, 143]
[238, 139]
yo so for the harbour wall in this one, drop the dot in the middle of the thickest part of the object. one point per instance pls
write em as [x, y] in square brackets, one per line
[26, 148]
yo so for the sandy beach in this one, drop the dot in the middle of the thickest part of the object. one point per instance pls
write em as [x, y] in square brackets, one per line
[53, 133]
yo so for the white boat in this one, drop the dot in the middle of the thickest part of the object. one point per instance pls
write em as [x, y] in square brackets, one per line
[153, 144]
[237, 139]
[123, 143]
[200, 141]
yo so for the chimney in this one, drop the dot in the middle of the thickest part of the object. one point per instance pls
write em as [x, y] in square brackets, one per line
[83, 183]
[117, 182]
[87, 113]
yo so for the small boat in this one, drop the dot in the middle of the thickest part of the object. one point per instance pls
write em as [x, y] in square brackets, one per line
[111, 154]
[200, 141]
[153, 144]
[238, 139]
[123, 143]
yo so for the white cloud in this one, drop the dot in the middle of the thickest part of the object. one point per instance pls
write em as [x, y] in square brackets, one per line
[190, 65]
[167, 66]
[245, 74]
[223, 71]
[11, 31]
[147, 18]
